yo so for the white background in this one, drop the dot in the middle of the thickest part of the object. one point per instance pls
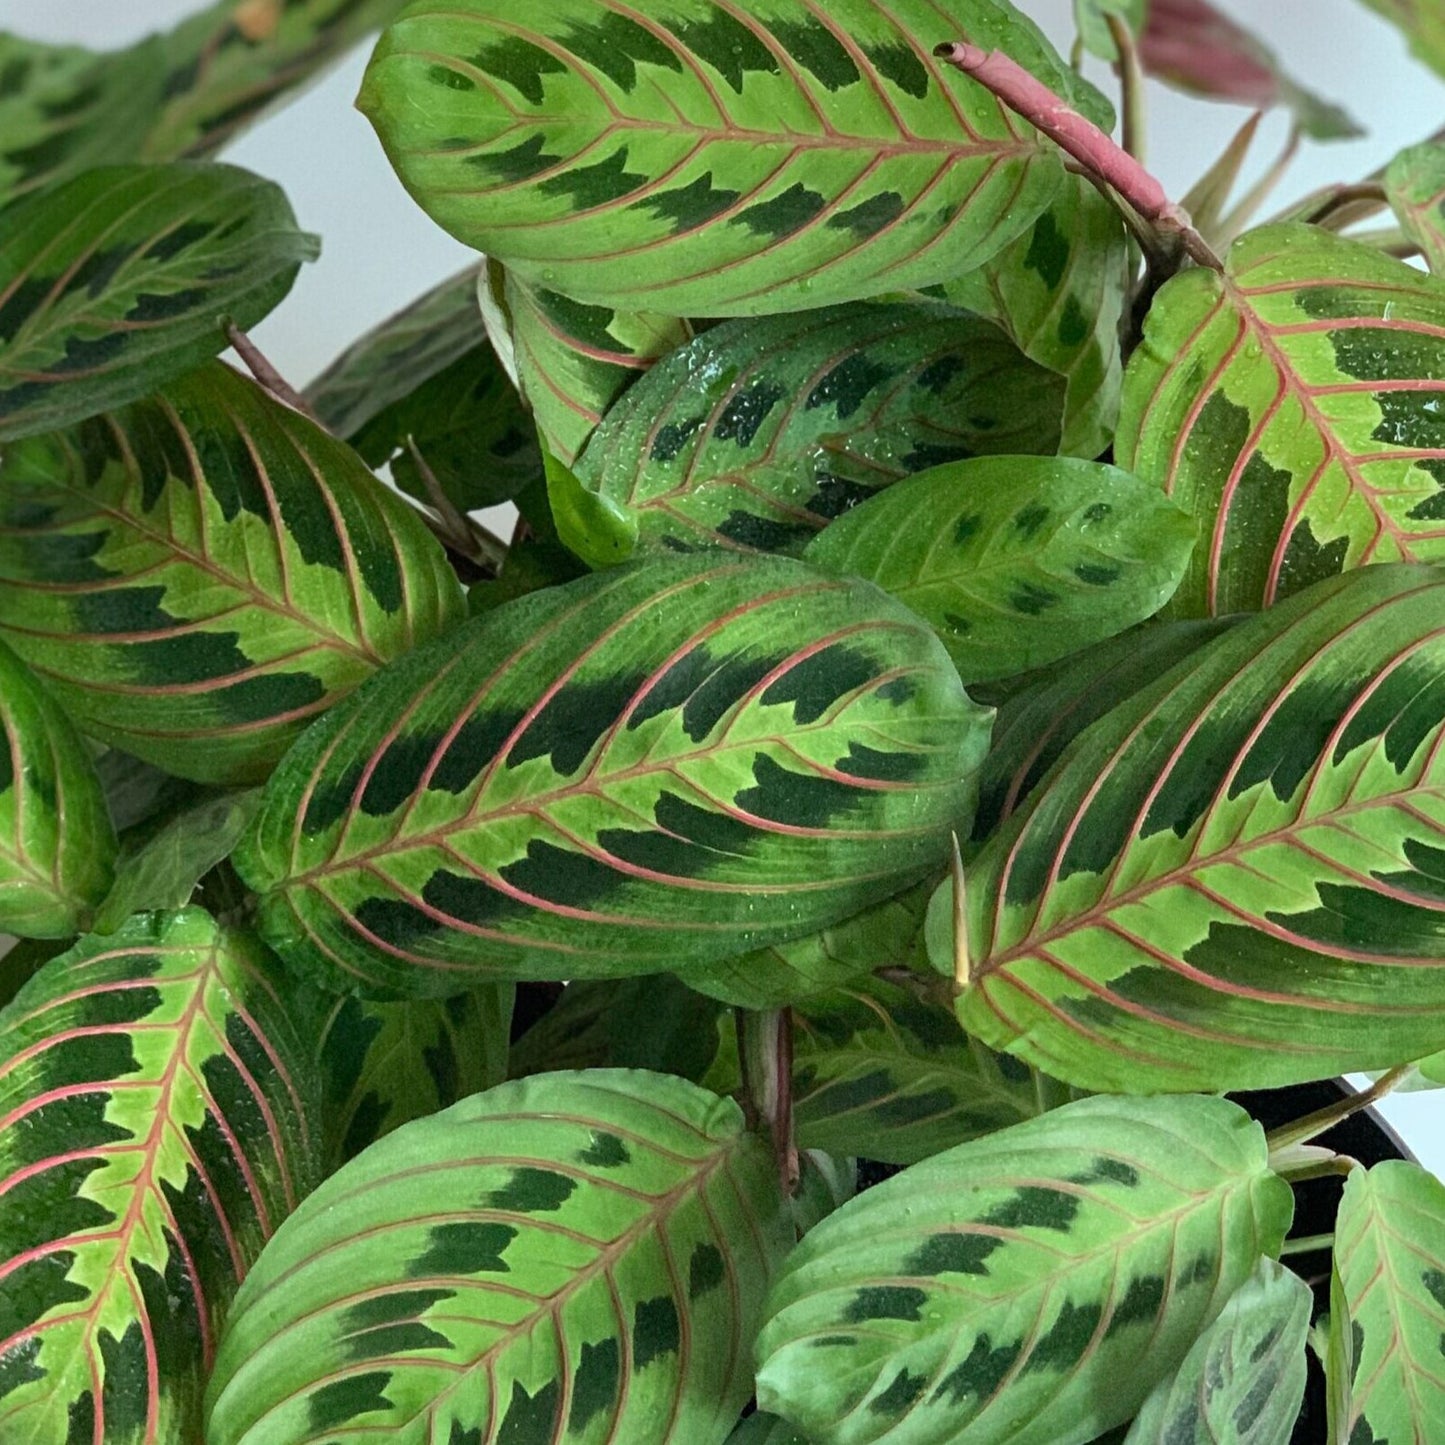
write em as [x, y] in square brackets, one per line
[380, 251]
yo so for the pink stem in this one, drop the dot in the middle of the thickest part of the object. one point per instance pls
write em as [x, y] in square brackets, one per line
[1105, 160]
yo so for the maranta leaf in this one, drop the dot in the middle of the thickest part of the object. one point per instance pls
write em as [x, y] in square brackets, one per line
[1232, 880]
[703, 159]
[1092, 25]
[1292, 406]
[1415, 184]
[157, 1122]
[118, 281]
[57, 844]
[588, 1265]
[760, 1429]
[1016, 561]
[1028, 1287]
[762, 430]
[1423, 26]
[651, 767]
[22, 960]
[200, 573]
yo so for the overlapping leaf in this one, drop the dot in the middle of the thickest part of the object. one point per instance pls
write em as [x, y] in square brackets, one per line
[115, 282]
[1243, 1379]
[1232, 880]
[57, 845]
[1292, 406]
[1030, 1287]
[156, 1124]
[760, 1429]
[713, 160]
[1059, 293]
[588, 1263]
[761, 431]
[384, 1064]
[22, 960]
[200, 573]
[1090, 19]
[1415, 184]
[644, 769]
[1016, 561]
[1422, 24]
[1387, 1307]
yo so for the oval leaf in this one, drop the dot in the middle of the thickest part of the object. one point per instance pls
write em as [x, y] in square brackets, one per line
[1016, 561]
[1292, 407]
[1243, 1379]
[1029, 1287]
[761, 431]
[1415, 184]
[199, 574]
[57, 845]
[156, 1124]
[1387, 1307]
[589, 1264]
[710, 161]
[642, 769]
[117, 281]
[1230, 881]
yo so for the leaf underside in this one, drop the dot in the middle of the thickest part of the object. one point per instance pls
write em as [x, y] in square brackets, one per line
[1415, 184]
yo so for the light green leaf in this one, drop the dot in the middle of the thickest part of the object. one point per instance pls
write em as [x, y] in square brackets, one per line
[116, 282]
[1231, 880]
[762, 430]
[1089, 17]
[57, 844]
[1243, 1379]
[1291, 406]
[1016, 561]
[590, 1266]
[198, 575]
[1029, 1287]
[1059, 293]
[1415, 184]
[1423, 25]
[157, 1122]
[651, 767]
[675, 156]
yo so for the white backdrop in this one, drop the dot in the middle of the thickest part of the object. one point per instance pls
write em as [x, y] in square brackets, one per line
[380, 251]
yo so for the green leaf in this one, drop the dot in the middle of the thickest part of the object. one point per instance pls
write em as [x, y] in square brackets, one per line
[1243, 1379]
[1387, 1307]
[1231, 880]
[1059, 293]
[648, 768]
[589, 1265]
[760, 1429]
[1016, 561]
[1415, 184]
[762, 430]
[57, 844]
[1093, 27]
[162, 871]
[1423, 26]
[531, 564]
[1291, 407]
[1034, 728]
[22, 960]
[384, 1064]
[199, 574]
[573, 361]
[116, 282]
[890, 934]
[825, 1184]
[1030, 1287]
[157, 1122]
[682, 157]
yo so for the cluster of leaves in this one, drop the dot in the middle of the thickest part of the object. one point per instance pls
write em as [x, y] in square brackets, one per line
[963, 693]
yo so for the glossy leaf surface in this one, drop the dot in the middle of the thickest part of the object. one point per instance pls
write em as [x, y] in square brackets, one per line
[384, 1064]
[1016, 561]
[1292, 407]
[198, 575]
[1243, 1379]
[679, 156]
[156, 1124]
[1229, 882]
[116, 282]
[1058, 291]
[1387, 1307]
[661, 765]
[1415, 184]
[1029, 1287]
[57, 845]
[590, 1265]
[762, 430]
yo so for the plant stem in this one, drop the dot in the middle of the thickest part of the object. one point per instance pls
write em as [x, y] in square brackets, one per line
[1344, 205]
[962, 962]
[765, 1049]
[455, 529]
[1134, 102]
[1106, 163]
[266, 374]
[1301, 1131]
[1255, 197]
[1308, 1243]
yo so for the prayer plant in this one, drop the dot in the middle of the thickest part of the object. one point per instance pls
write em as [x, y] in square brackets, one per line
[965, 693]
